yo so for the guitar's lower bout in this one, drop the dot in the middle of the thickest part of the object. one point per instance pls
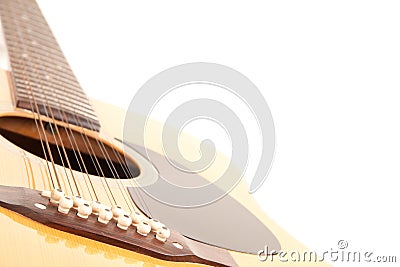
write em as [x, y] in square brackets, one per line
[31, 204]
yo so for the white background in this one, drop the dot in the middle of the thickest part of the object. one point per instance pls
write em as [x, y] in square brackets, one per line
[329, 71]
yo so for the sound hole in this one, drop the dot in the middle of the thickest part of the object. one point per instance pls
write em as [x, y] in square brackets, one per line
[83, 152]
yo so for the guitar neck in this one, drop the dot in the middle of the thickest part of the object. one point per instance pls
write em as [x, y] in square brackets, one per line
[43, 81]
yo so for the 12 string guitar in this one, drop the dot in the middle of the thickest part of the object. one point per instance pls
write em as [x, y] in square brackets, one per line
[68, 195]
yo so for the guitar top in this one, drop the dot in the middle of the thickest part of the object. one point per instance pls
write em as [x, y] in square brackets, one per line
[68, 194]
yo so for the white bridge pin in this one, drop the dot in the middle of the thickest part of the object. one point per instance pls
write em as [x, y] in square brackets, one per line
[84, 210]
[77, 201]
[143, 228]
[155, 224]
[105, 215]
[117, 211]
[65, 204]
[137, 218]
[56, 195]
[124, 221]
[163, 233]
[96, 206]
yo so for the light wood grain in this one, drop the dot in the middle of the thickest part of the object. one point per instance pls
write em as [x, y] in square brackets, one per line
[28, 243]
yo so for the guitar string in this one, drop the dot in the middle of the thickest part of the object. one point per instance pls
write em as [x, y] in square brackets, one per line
[78, 155]
[93, 162]
[35, 103]
[72, 147]
[136, 191]
[113, 170]
[43, 179]
[104, 155]
[27, 170]
[44, 133]
[111, 166]
[127, 173]
[38, 122]
[39, 116]
[36, 116]
[101, 146]
[93, 157]
[48, 170]
[69, 133]
[79, 160]
[25, 158]
[40, 85]
[107, 157]
[78, 150]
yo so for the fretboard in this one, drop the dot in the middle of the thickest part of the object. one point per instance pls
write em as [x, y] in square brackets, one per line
[43, 80]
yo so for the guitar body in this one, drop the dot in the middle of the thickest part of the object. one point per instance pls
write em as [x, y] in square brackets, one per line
[67, 191]
[25, 242]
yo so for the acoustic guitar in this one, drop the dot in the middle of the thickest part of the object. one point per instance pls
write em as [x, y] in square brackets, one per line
[68, 195]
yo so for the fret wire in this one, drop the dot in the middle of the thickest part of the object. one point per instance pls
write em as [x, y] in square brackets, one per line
[33, 34]
[19, 6]
[21, 90]
[20, 78]
[17, 50]
[64, 66]
[70, 88]
[54, 76]
[44, 50]
[54, 100]
[32, 26]
[29, 16]
[29, 30]
[67, 106]
[70, 114]
[37, 19]
[48, 61]
[56, 105]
